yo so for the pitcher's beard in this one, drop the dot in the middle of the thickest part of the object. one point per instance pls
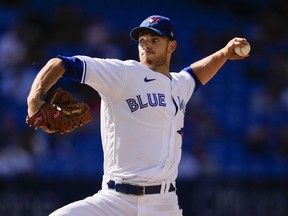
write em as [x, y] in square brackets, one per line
[154, 64]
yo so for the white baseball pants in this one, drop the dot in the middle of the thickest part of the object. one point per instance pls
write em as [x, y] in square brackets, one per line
[111, 203]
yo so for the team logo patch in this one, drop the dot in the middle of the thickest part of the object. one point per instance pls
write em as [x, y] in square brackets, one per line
[153, 19]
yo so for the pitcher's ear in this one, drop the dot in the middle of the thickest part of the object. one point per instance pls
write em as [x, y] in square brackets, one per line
[172, 46]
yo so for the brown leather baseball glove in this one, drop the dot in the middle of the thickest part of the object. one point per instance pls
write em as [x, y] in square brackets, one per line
[60, 113]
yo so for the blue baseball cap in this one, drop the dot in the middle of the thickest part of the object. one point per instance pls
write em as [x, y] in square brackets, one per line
[159, 24]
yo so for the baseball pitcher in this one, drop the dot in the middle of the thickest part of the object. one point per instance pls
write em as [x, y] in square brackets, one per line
[142, 118]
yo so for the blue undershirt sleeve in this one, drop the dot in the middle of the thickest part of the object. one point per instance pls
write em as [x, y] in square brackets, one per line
[198, 84]
[73, 68]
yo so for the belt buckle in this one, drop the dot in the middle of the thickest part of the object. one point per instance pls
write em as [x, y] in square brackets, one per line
[137, 190]
[143, 191]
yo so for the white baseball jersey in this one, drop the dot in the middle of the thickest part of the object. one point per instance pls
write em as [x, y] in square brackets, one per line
[142, 116]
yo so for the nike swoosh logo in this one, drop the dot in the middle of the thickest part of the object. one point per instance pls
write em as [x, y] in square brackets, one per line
[148, 80]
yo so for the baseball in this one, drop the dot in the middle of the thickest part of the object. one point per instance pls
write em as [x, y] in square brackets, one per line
[242, 51]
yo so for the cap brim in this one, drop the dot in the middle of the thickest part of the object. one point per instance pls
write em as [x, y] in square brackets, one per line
[134, 34]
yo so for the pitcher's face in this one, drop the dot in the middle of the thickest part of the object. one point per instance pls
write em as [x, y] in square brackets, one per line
[154, 51]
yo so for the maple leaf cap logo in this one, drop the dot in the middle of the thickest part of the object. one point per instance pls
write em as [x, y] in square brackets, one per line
[159, 24]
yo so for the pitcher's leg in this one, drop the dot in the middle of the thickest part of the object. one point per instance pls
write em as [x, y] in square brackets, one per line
[104, 203]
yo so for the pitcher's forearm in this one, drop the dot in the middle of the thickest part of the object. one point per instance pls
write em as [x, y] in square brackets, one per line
[207, 67]
[44, 80]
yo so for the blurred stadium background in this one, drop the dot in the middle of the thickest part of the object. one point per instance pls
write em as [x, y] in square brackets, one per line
[235, 151]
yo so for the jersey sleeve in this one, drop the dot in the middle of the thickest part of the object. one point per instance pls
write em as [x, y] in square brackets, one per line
[198, 84]
[189, 81]
[107, 76]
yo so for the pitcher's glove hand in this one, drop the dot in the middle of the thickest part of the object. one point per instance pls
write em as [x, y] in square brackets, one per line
[60, 113]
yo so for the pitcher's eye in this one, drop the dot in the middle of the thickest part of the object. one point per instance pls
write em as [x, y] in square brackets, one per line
[155, 40]
[141, 41]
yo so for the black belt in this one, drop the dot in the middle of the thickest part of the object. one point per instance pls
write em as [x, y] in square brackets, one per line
[137, 189]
